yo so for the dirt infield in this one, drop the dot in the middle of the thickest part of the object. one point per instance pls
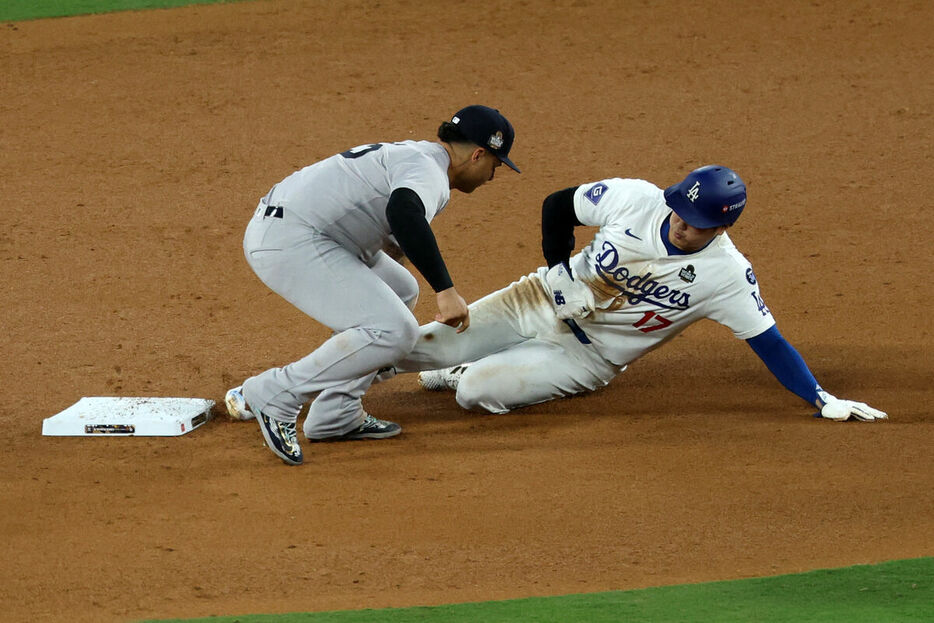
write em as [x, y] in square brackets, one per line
[135, 146]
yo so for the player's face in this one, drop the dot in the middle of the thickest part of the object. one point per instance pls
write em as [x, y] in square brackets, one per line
[688, 238]
[479, 170]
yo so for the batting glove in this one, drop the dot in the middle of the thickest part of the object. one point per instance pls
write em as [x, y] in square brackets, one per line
[571, 298]
[842, 410]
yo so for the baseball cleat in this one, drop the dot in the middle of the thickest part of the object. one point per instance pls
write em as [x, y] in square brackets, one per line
[281, 438]
[372, 428]
[441, 380]
[236, 404]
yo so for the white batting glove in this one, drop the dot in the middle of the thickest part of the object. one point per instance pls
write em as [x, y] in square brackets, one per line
[571, 298]
[842, 410]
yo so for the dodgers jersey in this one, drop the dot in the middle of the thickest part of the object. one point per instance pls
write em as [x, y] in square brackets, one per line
[644, 296]
[345, 196]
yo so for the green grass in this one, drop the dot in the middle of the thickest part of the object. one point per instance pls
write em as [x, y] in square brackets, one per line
[890, 592]
[15, 10]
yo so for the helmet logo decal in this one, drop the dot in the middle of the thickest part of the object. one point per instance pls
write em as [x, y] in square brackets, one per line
[694, 193]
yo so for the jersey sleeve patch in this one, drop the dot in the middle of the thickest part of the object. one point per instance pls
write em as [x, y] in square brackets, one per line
[596, 192]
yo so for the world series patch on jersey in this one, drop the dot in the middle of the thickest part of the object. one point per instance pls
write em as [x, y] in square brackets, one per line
[644, 292]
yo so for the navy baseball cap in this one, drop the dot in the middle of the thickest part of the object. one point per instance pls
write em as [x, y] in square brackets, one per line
[487, 128]
[711, 196]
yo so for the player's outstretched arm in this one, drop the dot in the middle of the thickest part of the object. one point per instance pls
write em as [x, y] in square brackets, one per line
[789, 368]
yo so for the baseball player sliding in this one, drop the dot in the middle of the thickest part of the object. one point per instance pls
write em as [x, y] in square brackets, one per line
[660, 261]
[317, 240]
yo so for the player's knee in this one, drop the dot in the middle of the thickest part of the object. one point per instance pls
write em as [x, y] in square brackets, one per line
[401, 337]
[411, 301]
[391, 339]
[409, 334]
[408, 292]
[479, 393]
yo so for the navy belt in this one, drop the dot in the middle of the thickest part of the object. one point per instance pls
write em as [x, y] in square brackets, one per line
[273, 211]
[577, 331]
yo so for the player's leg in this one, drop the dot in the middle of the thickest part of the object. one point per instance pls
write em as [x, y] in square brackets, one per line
[345, 397]
[502, 319]
[532, 372]
[396, 277]
[373, 328]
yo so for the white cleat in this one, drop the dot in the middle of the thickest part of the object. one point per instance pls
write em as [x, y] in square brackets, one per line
[441, 380]
[236, 405]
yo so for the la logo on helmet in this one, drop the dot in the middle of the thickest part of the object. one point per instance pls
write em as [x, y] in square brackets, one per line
[694, 193]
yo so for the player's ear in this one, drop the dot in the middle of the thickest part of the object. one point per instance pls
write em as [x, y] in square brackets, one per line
[477, 154]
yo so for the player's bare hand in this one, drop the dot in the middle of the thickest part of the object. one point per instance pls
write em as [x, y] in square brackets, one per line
[452, 310]
[841, 410]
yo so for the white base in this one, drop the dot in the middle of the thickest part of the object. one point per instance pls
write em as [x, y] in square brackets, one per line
[125, 417]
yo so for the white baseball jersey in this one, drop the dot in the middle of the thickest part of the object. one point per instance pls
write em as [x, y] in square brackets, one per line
[345, 196]
[521, 354]
[643, 295]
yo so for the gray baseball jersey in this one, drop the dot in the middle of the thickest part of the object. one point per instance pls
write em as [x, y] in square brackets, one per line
[345, 196]
[315, 239]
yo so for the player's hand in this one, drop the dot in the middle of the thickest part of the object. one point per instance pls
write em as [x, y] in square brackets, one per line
[452, 310]
[841, 410]
[571, 298]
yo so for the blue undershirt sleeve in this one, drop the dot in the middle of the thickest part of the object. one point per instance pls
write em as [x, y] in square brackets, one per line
[785, 363]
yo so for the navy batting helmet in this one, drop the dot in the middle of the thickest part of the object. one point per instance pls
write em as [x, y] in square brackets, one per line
[711, 196]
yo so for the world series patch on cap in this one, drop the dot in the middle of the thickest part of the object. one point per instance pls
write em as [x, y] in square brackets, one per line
[487, 128]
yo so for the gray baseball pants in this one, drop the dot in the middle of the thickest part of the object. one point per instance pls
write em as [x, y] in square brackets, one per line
[366, 304]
